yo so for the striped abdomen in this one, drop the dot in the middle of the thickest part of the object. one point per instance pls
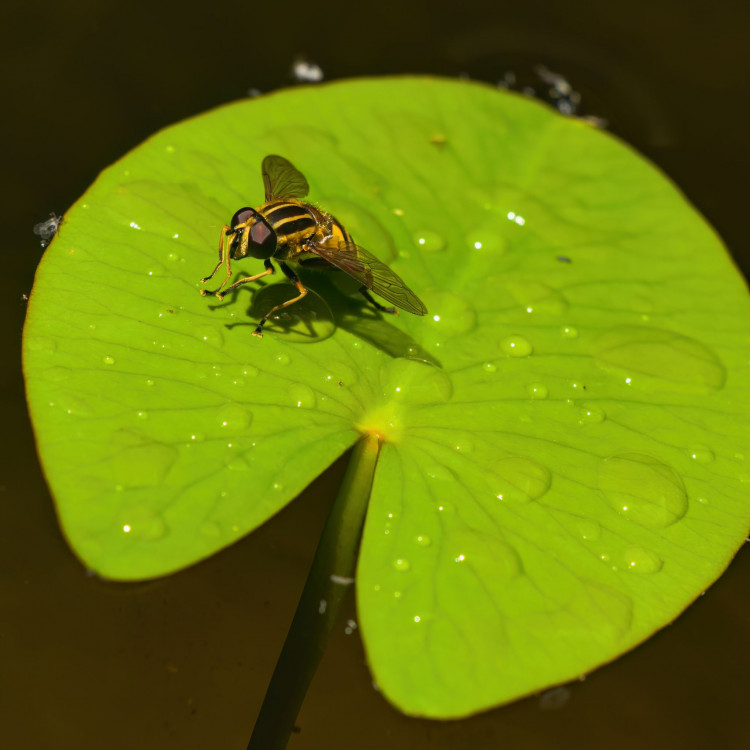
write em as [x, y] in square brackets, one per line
[292, 222]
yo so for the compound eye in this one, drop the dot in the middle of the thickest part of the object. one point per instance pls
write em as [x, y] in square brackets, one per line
[259, 233]
[242, 216]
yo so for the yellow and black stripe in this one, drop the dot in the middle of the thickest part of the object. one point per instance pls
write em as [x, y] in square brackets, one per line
[293, 223]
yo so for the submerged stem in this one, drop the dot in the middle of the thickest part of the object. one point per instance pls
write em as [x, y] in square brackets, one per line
[331, 573]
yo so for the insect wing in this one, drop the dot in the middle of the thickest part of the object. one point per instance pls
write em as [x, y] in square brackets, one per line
[282, 179]
[374, 274]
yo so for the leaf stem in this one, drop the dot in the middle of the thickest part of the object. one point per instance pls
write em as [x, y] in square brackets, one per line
[331, 573]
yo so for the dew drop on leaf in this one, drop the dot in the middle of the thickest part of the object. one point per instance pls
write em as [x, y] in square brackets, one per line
[538, 297]
[701, 453]
[591, 414]
[518, 479]
[109, 360]
[234, 417]
[41, 344]
[429, 241]
[589, 530]
[210, 529]
[640, 560]
[211, 335]
[302, 396]
[487, 241]
[143, 523]
[568, 332]
[537, 390]
[237, 463]
[643, 489]
[449, 314]
[440, 472]
[423, 540]
[662, 361]
[401, 564]
[516, 346]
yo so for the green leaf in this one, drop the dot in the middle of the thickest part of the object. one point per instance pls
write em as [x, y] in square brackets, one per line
[566, 433]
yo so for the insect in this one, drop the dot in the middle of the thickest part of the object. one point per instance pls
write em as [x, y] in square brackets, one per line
[290, 231]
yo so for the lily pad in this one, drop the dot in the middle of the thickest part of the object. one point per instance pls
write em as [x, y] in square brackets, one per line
[565, 436]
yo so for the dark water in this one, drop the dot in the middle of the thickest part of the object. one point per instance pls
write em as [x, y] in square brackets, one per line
[183, 662]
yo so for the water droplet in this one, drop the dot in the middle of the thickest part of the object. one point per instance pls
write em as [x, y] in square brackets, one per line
[537, 390]
[641, 560]
[449, 314]
[486, 552]
[440, 472]
[237, 463]
[487, 240]
[283, 358]
[211, 335]
[142, 522]
[539, 298]
[401, 564]
[662, 361]
[411, 382]
[109, 360]
[591, 414]
[277, 486]
[302, 396]
[41, 344]
[140, 461]
[701, 453]
[589, 530]
[643, 489]
[429, 241]
[142, 415]
[519, 479]
[489, 367]
[463, 446]
[149, 382]
[173, 257]
[210, 529]
[234, 417]
[516, 346]
[73, 405]
[423, 540]
[568, 332]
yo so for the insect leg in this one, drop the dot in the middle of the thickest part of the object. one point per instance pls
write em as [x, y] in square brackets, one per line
[221, 253]
[269, 270]
[300, 288]
[226, 233]
[363, 291]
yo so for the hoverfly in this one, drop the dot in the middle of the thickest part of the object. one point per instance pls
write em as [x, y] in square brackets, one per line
[290, 231]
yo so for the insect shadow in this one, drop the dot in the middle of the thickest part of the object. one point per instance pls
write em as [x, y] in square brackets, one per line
[326, 307]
